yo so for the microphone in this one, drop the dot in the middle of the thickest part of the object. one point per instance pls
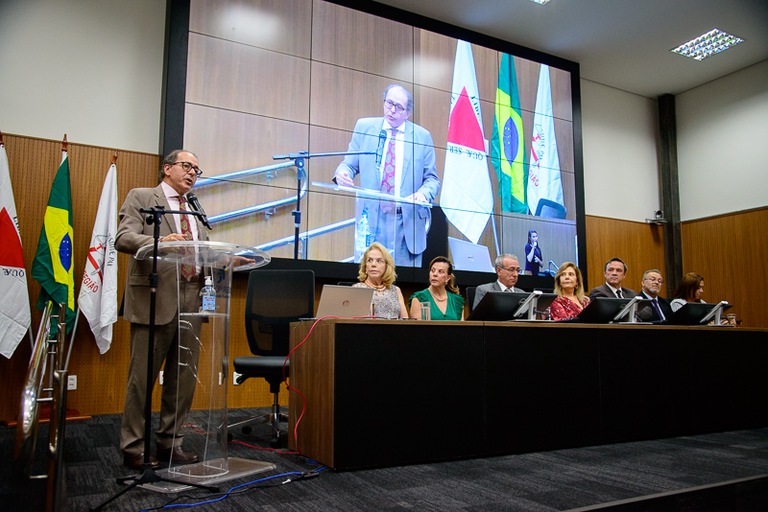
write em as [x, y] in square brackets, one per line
[380, 149]
[195, 204]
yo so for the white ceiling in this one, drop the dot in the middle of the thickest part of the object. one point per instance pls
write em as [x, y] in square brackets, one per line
[619, 43]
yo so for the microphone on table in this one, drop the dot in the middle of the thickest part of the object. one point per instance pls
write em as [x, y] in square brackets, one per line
[380, 149]
[195, 204]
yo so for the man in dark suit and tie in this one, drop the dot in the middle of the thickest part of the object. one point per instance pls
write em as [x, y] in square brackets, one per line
[659, 310]
[402, 164]
[178, 348]
[615, 272]
[508, 270]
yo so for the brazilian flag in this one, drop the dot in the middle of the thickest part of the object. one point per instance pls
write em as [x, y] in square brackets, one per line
[52, 267]
[507, 148]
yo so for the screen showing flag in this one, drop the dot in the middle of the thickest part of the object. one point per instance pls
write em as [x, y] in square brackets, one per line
[487, 150]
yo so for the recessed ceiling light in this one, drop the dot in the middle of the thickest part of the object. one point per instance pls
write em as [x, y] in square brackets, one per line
[542, 2]
[706, 45]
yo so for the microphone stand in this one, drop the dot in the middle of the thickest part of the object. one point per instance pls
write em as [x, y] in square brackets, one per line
[298, 160]
[148, 475]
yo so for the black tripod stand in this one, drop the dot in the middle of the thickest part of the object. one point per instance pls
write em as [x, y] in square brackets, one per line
[148, 475]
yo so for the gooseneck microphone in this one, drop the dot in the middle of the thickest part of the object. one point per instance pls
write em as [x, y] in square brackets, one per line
[380, 149]
[195, 204]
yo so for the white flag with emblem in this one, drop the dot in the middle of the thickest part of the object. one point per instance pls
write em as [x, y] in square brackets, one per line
[544, 182]
[98, 292]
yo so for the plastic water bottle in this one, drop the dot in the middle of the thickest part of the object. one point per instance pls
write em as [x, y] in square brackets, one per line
[208, 296]
[363, 233]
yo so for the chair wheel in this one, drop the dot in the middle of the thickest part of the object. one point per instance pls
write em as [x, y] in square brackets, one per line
[247, 429]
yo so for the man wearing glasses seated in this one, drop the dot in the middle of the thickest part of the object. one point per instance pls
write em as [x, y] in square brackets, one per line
[400, 163]
[508, 269]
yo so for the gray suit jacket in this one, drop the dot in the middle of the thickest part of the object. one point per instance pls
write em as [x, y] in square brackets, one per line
[604, 291]
[481, 290]
[419, 175]
[134, 233]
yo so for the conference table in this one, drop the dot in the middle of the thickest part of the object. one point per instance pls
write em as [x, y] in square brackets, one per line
[373, 393]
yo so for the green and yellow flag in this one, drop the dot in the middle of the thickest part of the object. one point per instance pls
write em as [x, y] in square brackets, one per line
[507, 155]
[52, 266]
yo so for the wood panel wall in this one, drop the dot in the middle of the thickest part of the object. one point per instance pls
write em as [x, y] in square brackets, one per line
[727, 250]
[640, 245]
[730, 252]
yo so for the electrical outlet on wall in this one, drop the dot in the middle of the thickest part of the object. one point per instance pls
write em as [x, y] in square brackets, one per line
[71, 382]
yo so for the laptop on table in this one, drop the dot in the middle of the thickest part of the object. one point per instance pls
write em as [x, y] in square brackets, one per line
[344, 301]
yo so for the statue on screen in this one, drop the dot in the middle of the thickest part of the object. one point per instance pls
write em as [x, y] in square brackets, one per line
[402, 165]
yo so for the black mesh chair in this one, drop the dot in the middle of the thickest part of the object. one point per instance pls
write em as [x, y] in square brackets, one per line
[275, 298]
[470, 293]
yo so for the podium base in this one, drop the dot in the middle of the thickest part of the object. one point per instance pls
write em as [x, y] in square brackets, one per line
[200, 473]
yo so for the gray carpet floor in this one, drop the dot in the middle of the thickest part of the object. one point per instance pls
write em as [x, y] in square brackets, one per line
[549, 481]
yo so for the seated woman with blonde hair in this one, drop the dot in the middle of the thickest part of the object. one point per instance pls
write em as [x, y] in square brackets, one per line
[442, 295]
[377, 271]
[569, 287]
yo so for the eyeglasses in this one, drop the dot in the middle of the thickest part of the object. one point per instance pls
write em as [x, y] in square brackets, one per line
[389, 104]
[189, 167]
[512, 269]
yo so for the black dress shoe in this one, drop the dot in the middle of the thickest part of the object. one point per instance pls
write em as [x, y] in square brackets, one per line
[136, 461]
[177, 455]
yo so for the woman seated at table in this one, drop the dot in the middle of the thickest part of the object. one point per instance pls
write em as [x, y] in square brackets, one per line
[442, 295]
[377, 271]
[690, 289]
[569, 288]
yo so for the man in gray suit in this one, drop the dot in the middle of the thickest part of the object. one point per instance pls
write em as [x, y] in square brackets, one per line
[615, 272]
[178, 348]
[507, 269]
[401, 163]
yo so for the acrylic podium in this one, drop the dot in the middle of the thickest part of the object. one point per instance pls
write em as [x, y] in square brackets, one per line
[206, 430]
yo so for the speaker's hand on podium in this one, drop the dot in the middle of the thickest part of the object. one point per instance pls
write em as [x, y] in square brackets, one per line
[417, 197]
[341, 177]
[174, 237]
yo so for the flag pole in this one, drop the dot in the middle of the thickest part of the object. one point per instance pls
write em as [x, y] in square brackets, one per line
[72, 337]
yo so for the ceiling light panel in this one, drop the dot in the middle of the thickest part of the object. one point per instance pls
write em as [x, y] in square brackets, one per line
[706, 45]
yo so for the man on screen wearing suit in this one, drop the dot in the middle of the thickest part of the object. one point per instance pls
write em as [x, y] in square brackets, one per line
[615, 272]
[659, 310]
[508, 270]
[178, 348]
[401, 163]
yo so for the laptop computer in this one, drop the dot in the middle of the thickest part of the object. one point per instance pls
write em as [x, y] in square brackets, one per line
[501, 306]
[604, 310]
[698, 313]
[469, 256]
[344, 301]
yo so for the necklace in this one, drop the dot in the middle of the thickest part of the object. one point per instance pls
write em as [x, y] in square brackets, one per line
[375, 287]
[438, 299]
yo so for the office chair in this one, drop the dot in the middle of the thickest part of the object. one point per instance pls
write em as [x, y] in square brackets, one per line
[274, 299]
[470, 293]
[550, 209]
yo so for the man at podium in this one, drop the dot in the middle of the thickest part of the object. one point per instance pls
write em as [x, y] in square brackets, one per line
[178, 174]
[401, 164]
